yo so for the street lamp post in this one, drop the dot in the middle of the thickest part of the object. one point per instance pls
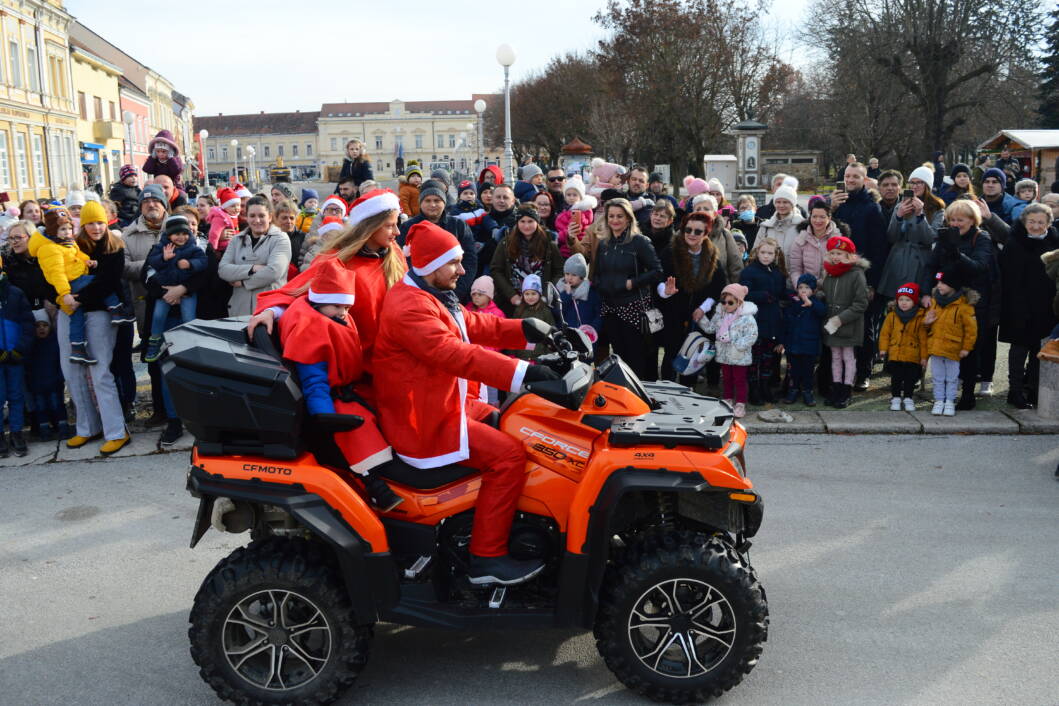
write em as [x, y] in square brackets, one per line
[203, 134]
[505, 55]
[252, 174]
[235, 160]
[128, 117]
[479, 107]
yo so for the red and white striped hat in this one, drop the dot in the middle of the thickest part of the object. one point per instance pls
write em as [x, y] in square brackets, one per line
[373, 203]
[431, 246]
[332, 283]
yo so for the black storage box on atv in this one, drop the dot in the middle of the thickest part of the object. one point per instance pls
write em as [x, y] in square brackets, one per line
[236, 399]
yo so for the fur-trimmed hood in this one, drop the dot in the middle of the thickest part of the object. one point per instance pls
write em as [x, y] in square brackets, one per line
[972, 296]
[1050, 257]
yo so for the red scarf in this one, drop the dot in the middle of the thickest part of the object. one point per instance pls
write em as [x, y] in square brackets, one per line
[837, 270]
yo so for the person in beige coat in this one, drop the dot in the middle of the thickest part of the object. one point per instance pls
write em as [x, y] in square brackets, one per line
[808, 253]
[256, 259]
[140, 236]
[783, 224]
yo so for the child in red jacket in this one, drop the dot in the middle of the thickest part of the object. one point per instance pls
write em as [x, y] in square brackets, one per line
[322, 341]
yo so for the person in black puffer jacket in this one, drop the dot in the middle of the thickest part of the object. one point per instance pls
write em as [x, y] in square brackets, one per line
[625, 268]
[24, 271]
[765, 278]
[355, 165]
[126, 195]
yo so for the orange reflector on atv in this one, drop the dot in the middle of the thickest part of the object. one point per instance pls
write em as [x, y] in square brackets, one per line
[743, 497]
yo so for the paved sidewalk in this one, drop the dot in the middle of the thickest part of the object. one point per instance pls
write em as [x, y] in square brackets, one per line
[825, 421]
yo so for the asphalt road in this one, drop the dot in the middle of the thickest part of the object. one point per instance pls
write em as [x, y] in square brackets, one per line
[899, 570]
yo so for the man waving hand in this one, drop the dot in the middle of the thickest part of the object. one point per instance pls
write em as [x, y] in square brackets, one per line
[426, 351]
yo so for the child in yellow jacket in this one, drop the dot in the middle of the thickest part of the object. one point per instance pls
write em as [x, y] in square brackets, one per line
[66, 267]
[952, 332]
[903, 341]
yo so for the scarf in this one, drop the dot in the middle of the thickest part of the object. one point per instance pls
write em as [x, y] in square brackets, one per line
[906, 316]
[726, 324]
[448, 298]
[837, 270]
[944, 300]
[526, 264]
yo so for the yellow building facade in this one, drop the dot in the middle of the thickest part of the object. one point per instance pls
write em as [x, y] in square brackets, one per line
[38, 155]
[100, 133]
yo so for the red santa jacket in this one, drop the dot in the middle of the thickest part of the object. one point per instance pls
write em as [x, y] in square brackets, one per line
[310, 337]
[423, 358]
[370, 289]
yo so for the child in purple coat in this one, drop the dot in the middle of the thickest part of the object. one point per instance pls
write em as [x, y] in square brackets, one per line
[165, 157]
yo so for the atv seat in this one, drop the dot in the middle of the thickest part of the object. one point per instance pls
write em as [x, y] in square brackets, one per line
[423, 478]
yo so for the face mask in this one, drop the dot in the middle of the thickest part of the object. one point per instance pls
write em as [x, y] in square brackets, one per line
[746, 216]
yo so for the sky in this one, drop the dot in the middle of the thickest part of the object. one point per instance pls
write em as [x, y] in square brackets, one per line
[282, 56]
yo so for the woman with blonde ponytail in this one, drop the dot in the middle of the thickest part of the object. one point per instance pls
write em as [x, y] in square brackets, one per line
[367, 246]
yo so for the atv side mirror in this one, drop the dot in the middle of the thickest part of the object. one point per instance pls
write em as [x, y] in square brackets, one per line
[555, 303]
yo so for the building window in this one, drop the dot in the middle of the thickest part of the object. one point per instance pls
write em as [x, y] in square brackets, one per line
[82, 105]
[20, 157]
[16, 65]
[224, 154]
[268, 150]
[211, 154]
[58, 76]
[279, 150]
[97, 103]
[308, 150]
[334, 144]
[239, 152]
[38, 160]
[33, 73]
[5, 167]
[378, 142]
[113, 111]
[441, 140]
[294, 150]
[398, 141]
[452, 140]
[73, 171]
[419, 142]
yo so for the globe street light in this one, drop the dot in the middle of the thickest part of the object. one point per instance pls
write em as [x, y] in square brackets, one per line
[128, 117]
[203, 134]
[479, 107]
[505, 55]
[235, 160]
[252, 175]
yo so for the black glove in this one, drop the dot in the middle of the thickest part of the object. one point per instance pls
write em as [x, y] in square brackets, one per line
[539, 373]
[336, 423]
[536, 330]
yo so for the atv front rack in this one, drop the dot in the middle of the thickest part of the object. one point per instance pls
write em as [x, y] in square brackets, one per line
[682, 418]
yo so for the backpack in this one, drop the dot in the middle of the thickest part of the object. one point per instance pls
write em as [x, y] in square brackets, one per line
[695, 352]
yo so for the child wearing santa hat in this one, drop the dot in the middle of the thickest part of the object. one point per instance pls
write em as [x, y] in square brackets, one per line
[224, 219]
[320, 338]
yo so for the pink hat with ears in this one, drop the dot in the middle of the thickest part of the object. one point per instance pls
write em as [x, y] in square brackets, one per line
[736, 290]
[695, 186]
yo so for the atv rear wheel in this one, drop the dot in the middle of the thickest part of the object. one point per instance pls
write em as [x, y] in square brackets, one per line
[272, 623]
[682, 617]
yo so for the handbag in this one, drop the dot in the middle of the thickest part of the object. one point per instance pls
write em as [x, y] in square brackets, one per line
[652, 315]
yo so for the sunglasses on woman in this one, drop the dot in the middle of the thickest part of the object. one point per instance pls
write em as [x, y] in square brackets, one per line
[695, 231]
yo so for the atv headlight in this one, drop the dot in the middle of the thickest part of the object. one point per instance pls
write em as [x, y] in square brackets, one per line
[734, 453]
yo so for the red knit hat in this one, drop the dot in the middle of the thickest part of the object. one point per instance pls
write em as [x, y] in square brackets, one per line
[373, 203]
[431, 247]
[908, 289]
[330, 224]
[332, 283]
[227, 197]
[841, 242]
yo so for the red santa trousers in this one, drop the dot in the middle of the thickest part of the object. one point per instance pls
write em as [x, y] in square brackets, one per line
[502, 461]
[363, 447]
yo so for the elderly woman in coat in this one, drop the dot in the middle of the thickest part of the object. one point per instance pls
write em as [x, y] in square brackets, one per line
[256, 259]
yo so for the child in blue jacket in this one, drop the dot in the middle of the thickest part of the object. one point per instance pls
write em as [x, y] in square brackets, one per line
[44, 377]
[16, 335]
[765, 278]
[803, 322]
[175, 258]
[582, 307]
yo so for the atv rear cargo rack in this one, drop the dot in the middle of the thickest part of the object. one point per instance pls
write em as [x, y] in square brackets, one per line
[681, 418]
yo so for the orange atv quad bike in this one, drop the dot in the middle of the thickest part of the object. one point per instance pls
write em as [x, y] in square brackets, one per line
[636, 498]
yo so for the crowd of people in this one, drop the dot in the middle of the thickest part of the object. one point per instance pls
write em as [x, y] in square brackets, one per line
[763, 302]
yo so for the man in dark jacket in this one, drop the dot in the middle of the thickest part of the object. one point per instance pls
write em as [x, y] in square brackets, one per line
[555, 181]
[175, 196]
[126, 196]
[432, 209]
[994, 185]
[642, 201]
[890, 183]
[856, 208]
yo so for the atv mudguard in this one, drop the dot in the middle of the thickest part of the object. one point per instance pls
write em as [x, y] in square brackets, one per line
[355, 556]
[582, 573]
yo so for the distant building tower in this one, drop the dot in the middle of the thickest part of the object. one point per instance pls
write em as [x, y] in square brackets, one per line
[575, 156]
[749, 172]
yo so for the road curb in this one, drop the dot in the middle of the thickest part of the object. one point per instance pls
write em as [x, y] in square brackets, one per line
[973, 422]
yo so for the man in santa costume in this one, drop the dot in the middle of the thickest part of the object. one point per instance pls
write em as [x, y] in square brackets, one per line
[320, 338]
[428, 347]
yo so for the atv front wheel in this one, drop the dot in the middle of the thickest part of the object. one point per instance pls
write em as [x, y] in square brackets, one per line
[272, 623]
[682, 617]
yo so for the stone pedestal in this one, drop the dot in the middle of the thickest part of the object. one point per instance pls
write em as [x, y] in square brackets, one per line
[1048, 391]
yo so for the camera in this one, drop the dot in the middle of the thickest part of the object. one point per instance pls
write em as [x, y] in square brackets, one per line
[949, 236]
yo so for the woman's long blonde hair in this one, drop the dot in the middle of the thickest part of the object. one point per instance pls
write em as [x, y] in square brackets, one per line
[346, 243]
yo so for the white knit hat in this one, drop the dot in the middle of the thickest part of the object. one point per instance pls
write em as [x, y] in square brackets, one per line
[791, 182]
[786, 192]
[716, 185]
[75, 198]
[577, 184]
[924, 174]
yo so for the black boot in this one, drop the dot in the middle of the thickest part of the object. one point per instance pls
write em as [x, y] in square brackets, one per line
[381, 494]
[754, 393]
[18, 443]
[843, 396]
[503, 570]
[1017, 399]
[4, 450]
[767, 397]
[967, 400]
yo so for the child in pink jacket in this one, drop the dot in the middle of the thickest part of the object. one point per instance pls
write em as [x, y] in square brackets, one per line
[482, 291]
[580, 205]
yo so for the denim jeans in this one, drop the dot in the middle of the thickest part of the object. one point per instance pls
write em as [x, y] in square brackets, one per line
[946, 374]
[161, 312]
[77, 319]
[12, 379]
